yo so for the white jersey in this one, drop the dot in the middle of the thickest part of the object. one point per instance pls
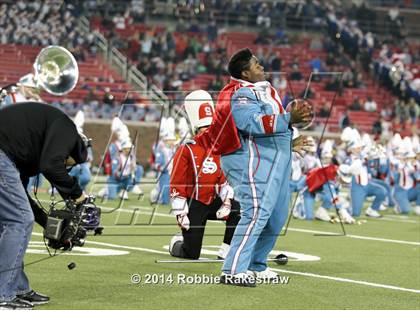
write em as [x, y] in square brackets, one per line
[128, 164]
[406, 176]
[341, 155]
[359, 170]
[297, 165]
[311, 162]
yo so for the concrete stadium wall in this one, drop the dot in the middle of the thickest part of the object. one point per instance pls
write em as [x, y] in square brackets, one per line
[100, 131]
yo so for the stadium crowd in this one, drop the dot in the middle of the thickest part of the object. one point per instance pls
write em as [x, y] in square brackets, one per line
[394, 66]
[43, 23]
[174, 55]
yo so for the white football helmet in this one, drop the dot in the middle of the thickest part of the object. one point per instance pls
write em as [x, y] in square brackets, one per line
[200, 108]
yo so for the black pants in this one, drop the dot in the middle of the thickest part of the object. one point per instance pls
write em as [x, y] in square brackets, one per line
[198, 215]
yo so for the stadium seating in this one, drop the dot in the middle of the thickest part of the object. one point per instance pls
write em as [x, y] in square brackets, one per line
[17, 60]
[237, 40]
[95, 74]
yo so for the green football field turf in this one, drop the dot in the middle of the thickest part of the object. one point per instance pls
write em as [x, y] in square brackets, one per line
[375, 266]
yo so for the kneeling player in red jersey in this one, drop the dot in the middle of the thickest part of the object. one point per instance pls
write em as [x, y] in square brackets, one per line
[199, 190]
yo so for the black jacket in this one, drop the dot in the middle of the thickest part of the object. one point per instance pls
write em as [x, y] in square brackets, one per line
[38, 138]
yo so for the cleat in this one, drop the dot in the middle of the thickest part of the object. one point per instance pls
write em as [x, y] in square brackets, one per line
[176, 241]
[137, 190]
[154, 196]
[124, 195]
[372, 213]
[322, 215]
[266, 275]
[34, 298]
[416, 210]
[103, 193]
[346, 217]
[16, 304]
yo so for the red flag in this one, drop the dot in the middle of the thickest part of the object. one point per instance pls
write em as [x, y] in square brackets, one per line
[319, 176]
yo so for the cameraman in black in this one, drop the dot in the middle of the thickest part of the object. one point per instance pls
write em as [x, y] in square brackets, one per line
[34, 138]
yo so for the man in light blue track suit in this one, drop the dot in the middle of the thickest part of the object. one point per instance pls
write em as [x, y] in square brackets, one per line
[259, 169]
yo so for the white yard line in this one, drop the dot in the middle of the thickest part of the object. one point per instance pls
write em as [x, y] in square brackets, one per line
[405, 217]
[355, 236]
[314, 275]
[398, 220]
[127, 247]
[306, 274]
[384, 240]
[118, 246]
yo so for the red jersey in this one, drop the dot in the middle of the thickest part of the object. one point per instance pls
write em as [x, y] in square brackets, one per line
[222, 136]
[196, 173]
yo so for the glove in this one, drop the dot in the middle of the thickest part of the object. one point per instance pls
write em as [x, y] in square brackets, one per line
[183, 221]
[224, 210]
[180, 210]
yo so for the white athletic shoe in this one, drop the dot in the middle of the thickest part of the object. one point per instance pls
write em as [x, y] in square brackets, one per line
[123, 195]
[296, 214]
[223, 251]
[154, 196]
[137, 190]
[267, 274]
[416, 210]
[103, 193]
[382, 207]
[322, 215]
[175, 239]
[372, 213]
[346, 217]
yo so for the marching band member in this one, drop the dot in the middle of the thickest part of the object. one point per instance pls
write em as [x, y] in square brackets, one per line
[252, 132]
[26, 90]
[416, 187]
[360, 186]
[82, 171]
[163, 155]
[405, 177]
[199, 190]
[124, 172]
[384, 175]
[304, 202]
[325, 181]
[297, 178]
